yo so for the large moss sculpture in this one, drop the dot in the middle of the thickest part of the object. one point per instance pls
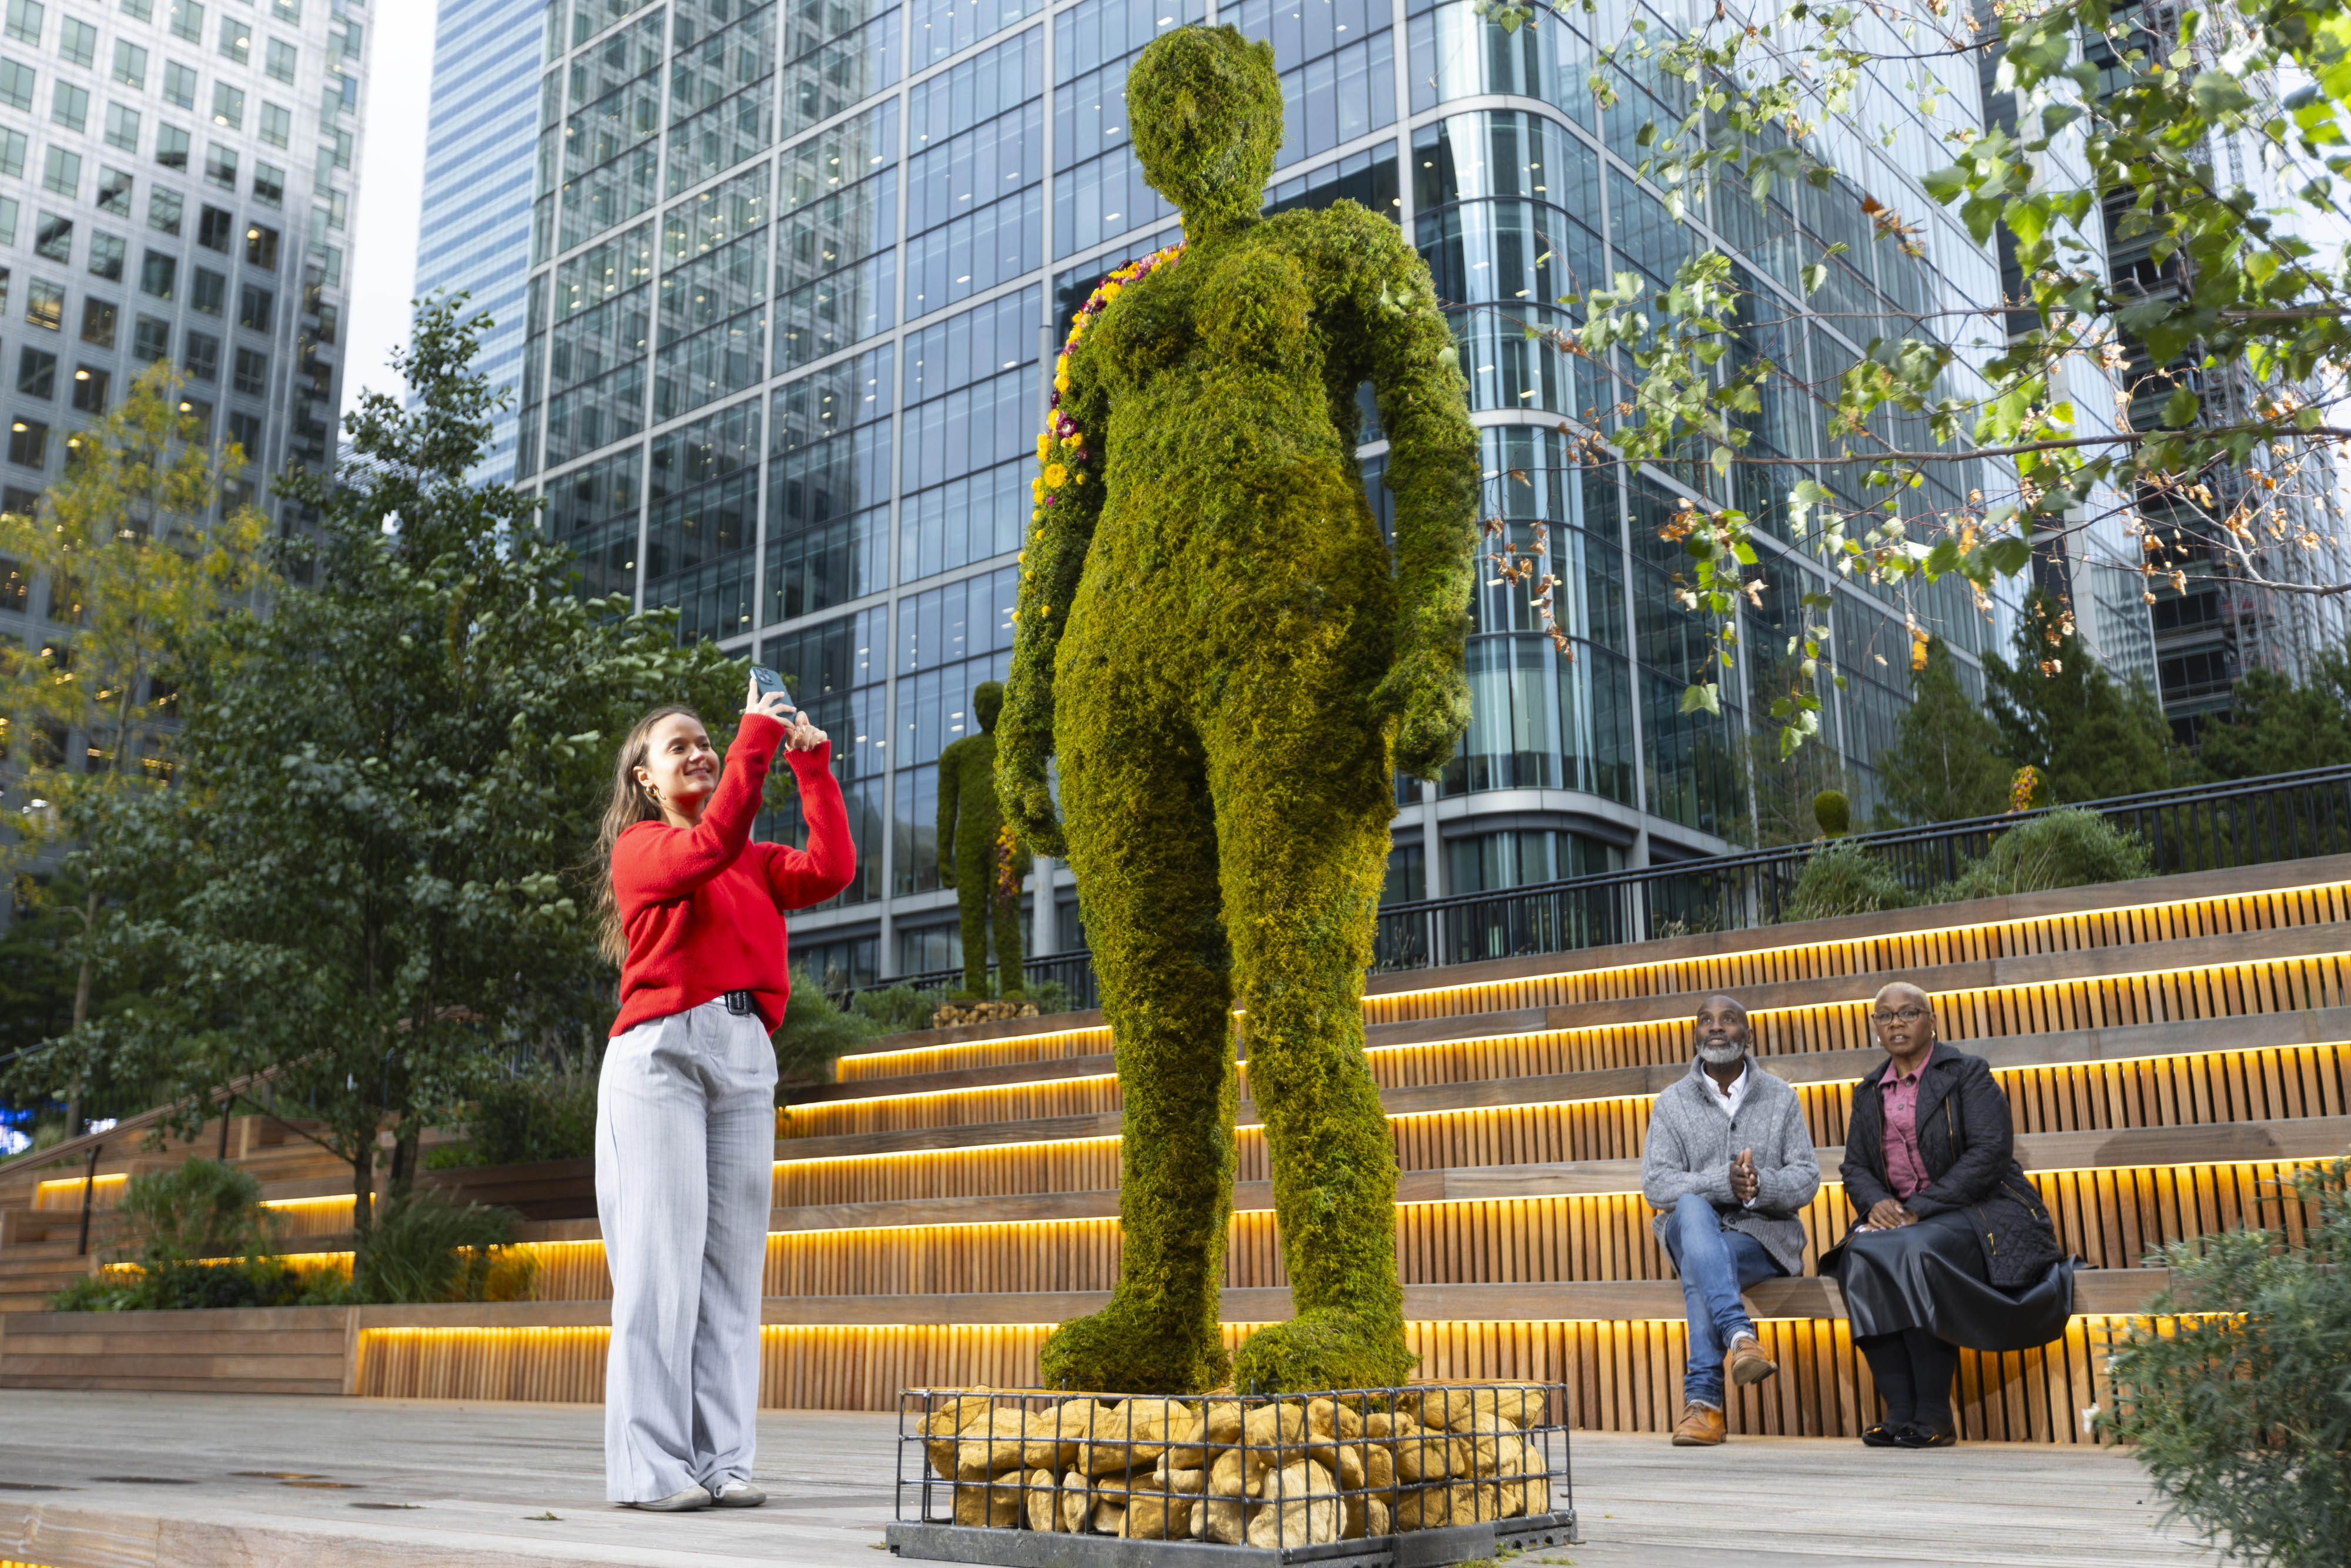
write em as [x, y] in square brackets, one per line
[978, 858]
[1214, 640]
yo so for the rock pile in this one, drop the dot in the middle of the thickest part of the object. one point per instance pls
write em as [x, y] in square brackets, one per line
[1294, 1472]
[948, 1015]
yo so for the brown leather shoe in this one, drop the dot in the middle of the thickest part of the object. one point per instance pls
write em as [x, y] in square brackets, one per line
[1700, 1428]
[1749, 1363]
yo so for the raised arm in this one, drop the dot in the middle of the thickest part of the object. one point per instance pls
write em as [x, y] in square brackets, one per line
[1432, 468]
[1075, 453]
[653, 862]
[797, 878]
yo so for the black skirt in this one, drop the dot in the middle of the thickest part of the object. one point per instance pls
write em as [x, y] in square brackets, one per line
[1932, 1276]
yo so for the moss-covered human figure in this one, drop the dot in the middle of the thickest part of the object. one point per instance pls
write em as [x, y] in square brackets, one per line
[971, 854]
[1215, 642]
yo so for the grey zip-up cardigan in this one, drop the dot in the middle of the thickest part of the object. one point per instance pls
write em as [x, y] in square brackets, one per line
[1692, 1141]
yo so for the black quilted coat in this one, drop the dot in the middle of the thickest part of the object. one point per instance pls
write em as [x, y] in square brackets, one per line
[1968, 1143]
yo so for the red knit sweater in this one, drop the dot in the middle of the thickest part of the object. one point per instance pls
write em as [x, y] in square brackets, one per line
[704, 907]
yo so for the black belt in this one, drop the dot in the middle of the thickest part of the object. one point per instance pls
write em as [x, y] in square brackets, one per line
[739, 1003]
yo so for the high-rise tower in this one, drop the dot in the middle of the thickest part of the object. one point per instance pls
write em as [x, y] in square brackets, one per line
[475, 235]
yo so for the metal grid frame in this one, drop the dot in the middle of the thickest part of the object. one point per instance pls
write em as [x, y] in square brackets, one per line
[1419, 1474]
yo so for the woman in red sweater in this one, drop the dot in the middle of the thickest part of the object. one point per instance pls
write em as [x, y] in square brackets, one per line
[685, 1109]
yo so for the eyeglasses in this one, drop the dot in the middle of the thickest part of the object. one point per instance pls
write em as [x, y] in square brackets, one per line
[1900, 1015]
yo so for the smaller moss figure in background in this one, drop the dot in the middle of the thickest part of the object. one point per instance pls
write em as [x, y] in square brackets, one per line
[971, 828]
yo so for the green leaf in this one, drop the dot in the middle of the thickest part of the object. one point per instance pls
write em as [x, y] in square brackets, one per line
[1705, 698]
[2180, 408]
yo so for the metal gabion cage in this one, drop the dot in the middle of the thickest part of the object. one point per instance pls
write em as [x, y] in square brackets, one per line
[1293, 1475]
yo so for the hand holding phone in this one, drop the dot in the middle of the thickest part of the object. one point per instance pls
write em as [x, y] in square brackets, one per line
[768, 697]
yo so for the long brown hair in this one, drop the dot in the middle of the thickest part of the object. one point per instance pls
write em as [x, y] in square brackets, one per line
[631, 803]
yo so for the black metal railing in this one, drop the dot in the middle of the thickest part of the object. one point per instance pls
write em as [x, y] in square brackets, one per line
[2205, 827]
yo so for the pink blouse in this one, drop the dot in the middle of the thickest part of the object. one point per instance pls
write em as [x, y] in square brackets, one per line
[1905, 1168]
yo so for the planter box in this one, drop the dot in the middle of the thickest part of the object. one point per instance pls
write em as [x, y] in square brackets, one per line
[252, 1350]
[1411, 1476]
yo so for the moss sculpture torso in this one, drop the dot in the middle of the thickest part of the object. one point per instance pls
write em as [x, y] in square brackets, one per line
[1214, 640]
[974, 859]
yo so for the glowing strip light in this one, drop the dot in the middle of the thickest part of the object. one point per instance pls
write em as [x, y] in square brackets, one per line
[2103, 1061]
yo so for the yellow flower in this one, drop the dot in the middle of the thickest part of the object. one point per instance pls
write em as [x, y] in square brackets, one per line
[1111, 291]
[1037, 487]
[1044, 444]
[1061, 381]
[1076, 480]
[1055, 475]
[1077, 438]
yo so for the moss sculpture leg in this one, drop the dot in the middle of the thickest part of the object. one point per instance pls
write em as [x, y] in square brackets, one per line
[1304, 795]
[1004, 915]
[1143, 844]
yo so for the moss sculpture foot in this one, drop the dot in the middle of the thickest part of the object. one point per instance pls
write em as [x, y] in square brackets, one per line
[1121, 1351]
[1327, 1347]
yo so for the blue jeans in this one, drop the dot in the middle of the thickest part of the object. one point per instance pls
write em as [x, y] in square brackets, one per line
[1715, 1265]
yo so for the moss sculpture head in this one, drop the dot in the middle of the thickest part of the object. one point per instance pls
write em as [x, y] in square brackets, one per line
[987, 702]
[1205, 107]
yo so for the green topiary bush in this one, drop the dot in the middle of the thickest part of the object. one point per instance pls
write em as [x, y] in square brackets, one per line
[2068, 848]
[1845, 879]
[1832, 812]
[2240, 1407]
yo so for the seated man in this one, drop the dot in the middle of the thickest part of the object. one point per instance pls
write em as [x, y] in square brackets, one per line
[1729, 1162]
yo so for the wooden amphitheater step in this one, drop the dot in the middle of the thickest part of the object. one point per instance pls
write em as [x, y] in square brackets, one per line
[2290, 970]
[2203, 904]
[2115, 1196]
[2297, 985]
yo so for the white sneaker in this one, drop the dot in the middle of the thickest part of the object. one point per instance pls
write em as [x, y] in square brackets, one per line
[738, 1494]
[685, 1501]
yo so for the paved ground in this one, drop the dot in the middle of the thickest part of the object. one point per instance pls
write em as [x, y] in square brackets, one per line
[165, 1481]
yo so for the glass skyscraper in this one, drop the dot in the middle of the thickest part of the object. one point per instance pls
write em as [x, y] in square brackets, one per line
[798, 268]
[474, 235]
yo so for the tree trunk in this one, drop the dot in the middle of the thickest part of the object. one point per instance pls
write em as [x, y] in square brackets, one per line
[404, 1164]
[363, 1190]
[81, 1006]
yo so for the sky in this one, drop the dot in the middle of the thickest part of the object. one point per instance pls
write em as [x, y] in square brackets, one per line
[390, 194]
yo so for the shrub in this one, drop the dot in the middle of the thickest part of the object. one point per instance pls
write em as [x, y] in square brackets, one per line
[1845, 878]
[2242, 1412]
[190, 1238]
[425, 1247]
[538, 1114]
[815, 1031]
[202, 1209]
[2068, 848]
[897, 1009]
[1832, 812]
[1051, 995]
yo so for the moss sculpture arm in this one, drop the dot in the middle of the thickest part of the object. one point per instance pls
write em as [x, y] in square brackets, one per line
[1059, 537]
[1433, 470]
[950, 790]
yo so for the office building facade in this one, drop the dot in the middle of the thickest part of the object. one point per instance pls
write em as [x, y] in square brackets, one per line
[176, 185]
[474, 233]
[798, 268]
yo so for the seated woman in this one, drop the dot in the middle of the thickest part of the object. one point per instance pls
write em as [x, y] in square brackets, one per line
[1953, 1247]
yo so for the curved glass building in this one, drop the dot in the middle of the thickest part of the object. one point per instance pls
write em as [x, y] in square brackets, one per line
[798, 268]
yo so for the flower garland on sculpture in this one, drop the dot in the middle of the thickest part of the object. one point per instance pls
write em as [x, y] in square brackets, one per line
[1061, 447]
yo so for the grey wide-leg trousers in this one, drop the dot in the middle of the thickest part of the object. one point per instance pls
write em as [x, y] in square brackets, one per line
[685, 1147]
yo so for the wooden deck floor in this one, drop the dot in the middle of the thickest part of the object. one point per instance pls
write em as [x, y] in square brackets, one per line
[163, 1480]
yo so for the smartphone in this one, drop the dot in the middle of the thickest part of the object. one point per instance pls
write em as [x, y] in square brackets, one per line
[765, 680]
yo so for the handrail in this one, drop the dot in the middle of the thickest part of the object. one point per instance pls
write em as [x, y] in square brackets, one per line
[61, 1153]
[2251, 821]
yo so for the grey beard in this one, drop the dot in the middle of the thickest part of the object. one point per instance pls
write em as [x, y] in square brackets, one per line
[1722, 1055]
